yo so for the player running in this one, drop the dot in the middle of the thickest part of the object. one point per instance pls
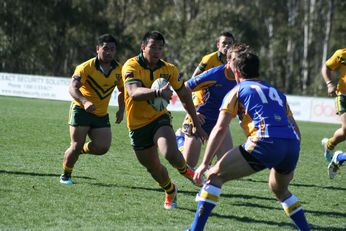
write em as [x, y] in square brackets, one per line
[92, 85]
[336, 63]
[151, 130]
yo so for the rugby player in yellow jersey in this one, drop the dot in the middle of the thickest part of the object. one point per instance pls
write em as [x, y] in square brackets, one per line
[187, 143]
[151, 130]
[214, 59]
[91, 88]
[335, 63]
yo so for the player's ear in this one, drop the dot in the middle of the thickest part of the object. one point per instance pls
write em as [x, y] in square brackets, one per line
[237, 74]
[237, 71]
[142, 46]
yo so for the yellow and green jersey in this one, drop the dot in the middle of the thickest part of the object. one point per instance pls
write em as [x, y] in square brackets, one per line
[208, 61]
[97, 87]
[141, 113]
[338, 61]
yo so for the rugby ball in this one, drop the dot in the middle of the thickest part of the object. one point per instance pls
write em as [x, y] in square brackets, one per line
[159, 103]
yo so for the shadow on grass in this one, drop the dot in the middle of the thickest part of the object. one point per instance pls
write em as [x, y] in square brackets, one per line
[249, 220]
[244, 219]
[247, 197]
[191, 193]
[300, 185]
[241, 219]
[127, 186]
[38, 174]
[316, 213]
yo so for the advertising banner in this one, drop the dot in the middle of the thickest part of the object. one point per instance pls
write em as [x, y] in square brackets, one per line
[315, 109]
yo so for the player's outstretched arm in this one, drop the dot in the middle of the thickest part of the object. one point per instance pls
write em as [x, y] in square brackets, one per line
[186, 100]
[217, 136]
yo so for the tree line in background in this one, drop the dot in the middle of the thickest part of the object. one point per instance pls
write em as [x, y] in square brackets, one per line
[292, 37]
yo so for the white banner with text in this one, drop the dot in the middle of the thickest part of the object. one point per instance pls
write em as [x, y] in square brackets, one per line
[314, 109]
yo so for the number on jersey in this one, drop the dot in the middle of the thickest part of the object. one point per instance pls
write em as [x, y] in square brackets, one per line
[273, 95]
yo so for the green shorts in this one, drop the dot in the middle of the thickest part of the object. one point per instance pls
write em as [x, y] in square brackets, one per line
[79, 117]
[340, 102]
[143, 138]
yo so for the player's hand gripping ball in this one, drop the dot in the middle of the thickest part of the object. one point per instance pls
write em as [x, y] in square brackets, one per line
[159, 103]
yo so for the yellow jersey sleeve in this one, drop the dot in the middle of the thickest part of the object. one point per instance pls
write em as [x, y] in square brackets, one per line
[209, 61]
[130, 71]
[82, 71]
[336, 60]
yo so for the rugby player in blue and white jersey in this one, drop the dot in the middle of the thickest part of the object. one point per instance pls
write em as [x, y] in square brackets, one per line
[273, 140]
[214, 83]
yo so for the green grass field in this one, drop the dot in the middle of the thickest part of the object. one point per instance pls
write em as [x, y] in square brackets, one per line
[113, 192]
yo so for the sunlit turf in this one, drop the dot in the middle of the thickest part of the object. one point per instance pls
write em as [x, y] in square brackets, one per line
[114, 192]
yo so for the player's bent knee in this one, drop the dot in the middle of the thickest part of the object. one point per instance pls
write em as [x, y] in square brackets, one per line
[101, 150]
[76, 148]
[279, 192]
[215, 179]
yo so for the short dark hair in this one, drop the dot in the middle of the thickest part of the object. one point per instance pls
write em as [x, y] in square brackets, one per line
[153, 35]
[245, 60]
[106, 38]
[226, 34]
